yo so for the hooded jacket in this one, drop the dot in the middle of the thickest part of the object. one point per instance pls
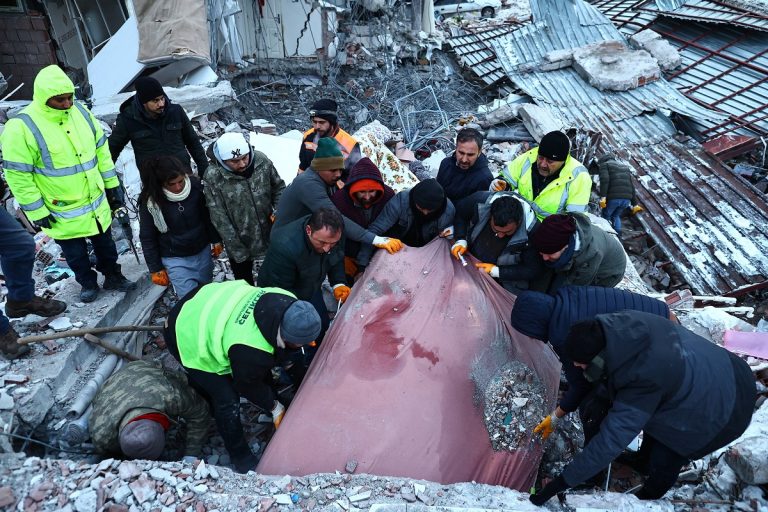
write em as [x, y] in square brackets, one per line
[240, 207]
[615, 178]
[672, 384]
[364, 217]
[57, 162]
[459, 183]
[549, 318]
[170, 134]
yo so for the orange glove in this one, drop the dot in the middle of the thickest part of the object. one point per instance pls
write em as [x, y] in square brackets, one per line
[341, 292]
[272, 218]
[488, 268]
[161, 278]
[216, 250]
[278, 411]
[392, 245]
[547, 426]
[459, 248]
[637, 209]
[603, 203]
[498, 185]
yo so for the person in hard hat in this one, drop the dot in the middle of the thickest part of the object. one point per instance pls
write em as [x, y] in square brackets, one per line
[228, 336]
[135, 407]
[687, 395]
[57, 165]
[325, 123]
[549, 177]
[242, 191]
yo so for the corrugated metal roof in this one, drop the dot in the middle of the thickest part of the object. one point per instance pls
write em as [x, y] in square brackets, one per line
[474, 52]
[708, 11]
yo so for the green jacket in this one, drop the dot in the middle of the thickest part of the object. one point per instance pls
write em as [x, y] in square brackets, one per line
[141, 385]
[57, 162]
[241, 208]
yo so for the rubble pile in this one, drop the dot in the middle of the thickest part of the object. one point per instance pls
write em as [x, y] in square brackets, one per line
[512, 405]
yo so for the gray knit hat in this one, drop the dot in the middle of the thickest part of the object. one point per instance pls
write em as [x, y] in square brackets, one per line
[142, 439]
[301, 323]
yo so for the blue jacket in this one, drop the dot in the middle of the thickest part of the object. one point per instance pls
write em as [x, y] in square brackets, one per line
[459, 183]
[548, 318]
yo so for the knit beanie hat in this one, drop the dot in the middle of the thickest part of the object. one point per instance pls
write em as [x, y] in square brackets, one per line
[553, 234]
[301, 323]
[428, 194]
[585, 340]
[531, 314]
[328, 156]
[142, 439]
[325, 109]
[555, 146]
[231, 145]
[365, 184]
[148, 88]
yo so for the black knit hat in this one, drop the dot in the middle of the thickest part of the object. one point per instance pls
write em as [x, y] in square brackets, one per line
[585, 340]
[325, 109]
[428, 194]
[147, 89]
[555, 146]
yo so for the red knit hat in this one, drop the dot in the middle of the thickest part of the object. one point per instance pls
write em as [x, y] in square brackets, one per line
[554, 233]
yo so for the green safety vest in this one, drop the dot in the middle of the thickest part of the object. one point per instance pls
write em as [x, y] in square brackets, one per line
[57, 162]
[218, 316]
[569, 192]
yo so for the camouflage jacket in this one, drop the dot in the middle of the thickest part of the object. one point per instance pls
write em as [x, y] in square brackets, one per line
[241, 208]
[144, 385]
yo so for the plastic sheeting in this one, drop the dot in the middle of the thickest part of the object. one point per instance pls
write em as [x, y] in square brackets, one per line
[390, 387]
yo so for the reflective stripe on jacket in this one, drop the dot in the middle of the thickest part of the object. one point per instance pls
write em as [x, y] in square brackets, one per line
[569, 192]
[57, 162]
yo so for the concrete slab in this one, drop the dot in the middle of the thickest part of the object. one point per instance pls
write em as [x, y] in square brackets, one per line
[609, 65]
[538, 120]
[659, 48]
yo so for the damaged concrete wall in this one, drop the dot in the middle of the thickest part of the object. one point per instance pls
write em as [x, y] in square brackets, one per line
[25, 48]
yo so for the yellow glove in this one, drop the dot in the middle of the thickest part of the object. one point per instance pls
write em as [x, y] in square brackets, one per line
[498, 185]
[637, 209]
[603, 203]
[161, 278]
[278, 411]
[216, 250]
[341, 292]
[459, 248]
[392, 245]
[488, 268]
[546, 426]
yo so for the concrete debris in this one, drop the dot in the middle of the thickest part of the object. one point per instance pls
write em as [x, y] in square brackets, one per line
[748, 455]
[60, 324]
[538, 120]
[351, 466]
[611, 501]
[661, 50]
[6, 402]
[610, 66]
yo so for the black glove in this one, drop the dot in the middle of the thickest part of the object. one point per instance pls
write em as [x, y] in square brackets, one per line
[45, 222]
[555, 486]
[115, 197]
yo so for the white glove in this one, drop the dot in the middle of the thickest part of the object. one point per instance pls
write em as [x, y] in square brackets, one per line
[278, 411]
[494, 272]
[498, 185]
[447, 232]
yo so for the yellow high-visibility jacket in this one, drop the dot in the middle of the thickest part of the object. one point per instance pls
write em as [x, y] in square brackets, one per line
[569, 192]
[57, 162]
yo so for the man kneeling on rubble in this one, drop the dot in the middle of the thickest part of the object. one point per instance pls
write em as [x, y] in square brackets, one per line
[229, 336]
[688, 395]
[494, 227]
[137, 404]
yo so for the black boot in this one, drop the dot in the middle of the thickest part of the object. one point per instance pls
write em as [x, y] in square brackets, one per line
[117, 281]
[10, 346]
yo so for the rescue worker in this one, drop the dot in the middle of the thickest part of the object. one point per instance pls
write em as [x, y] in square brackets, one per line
[495, 227]
[617, 192]
[228, 336]
[325, 123]
[549, 177]
[466, 170]
[137, 404]
[58, 167]
[659, 379]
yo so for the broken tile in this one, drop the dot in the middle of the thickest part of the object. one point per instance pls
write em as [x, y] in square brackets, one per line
[283, 499]
[86, 501]
[351, 466]
[6, 402]
[360, 497]
[143, 489]
[128, 470]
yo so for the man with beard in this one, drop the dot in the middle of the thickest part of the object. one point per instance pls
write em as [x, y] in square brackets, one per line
[415, 217]
[155, 127]
[325, 123]
[466, 171]
[362, 200]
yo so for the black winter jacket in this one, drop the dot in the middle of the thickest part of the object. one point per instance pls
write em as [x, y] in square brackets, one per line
[189, 230]
[170, 134]
[459, 183]
[615, 179]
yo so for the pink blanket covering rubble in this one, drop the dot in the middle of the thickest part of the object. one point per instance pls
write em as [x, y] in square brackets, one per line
[390, 386]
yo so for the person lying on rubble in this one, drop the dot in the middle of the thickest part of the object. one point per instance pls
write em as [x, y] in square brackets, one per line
[305, 252]
[362, 200]
[136, 406]
[617, 192]
[549, 177]
[242, 191]
[312, 190]
[325, 124]
[17, 259]
[466, 171]
[547, 318]
[687, 395]
[415, 217]
[495, 227]
[577, 252]
[57, 165]
[175, 228]
[155, 126]
[228, 336]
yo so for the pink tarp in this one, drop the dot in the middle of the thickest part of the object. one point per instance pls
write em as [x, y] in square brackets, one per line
[390, 387]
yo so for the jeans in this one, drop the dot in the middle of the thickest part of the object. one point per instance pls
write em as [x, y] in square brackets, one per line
[17, 257]
[76, 253]
[243, 270]
[188, 272]
[613, 210]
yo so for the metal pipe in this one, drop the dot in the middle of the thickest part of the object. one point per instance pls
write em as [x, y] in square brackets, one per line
[91, 387]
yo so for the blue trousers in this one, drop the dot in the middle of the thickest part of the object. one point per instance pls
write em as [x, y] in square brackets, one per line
[188, 272]
[17, 257]
[76, 253]
[613, 210]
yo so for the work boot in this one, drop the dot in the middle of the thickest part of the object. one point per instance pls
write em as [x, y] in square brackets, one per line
[10, 346]
[118, 282]
[245, 463]
[89, 294]
[36, 306]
